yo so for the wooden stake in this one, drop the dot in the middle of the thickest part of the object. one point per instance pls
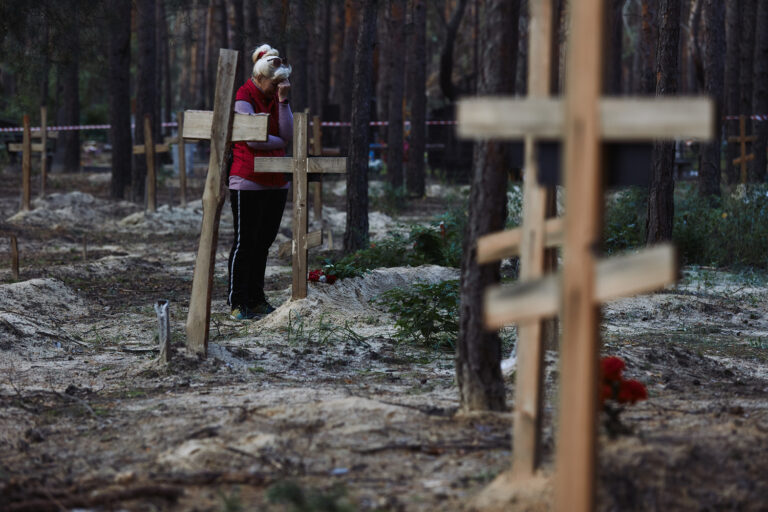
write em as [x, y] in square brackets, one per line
[317, 150]
[213, 199]
[299, 260]
[26, 166]
[182, 160]
[526, 435]
[577, 430]
[14, 258]
[44, 153]
[149, 149]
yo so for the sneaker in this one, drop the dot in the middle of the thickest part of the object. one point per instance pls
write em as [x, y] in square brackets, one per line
[261, 308]
[241, 313]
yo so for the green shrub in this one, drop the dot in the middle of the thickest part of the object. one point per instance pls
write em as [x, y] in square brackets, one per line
[391, 200]
[624, 226]
[426, 314]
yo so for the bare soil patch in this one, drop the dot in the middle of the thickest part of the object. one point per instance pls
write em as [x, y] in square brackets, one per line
[319, 394]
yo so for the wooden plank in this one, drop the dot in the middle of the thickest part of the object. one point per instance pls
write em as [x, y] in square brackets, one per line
[43, 154]
[745, 158]
[618, 276]
[26, 166]
[576, 452]
[317, 150]
[37, 134]
[625, 119]
[158, 148]
[182, 159]
[274, 163]
[299, 259]
[314, 239]
[18, 147]
[506, 244]
[536, 230]
[213, 199]
[245, 127]
[14, 258]
[151, 176]
[327, 165]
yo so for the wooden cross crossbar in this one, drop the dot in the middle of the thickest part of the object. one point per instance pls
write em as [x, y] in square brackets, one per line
[27, 147]
[742, 139]
[300, 166]
[149, 150]
[218, 127]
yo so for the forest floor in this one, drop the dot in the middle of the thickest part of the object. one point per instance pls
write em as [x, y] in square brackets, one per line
[317, 402]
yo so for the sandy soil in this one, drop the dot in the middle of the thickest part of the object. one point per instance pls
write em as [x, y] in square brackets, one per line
[319, 394]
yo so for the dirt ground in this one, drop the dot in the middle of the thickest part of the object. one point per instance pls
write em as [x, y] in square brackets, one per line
[317, 402]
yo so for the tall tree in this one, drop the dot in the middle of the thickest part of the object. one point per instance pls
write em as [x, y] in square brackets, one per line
[120, 95]
[660, 199]
[397, 64]
[67, 157]
[714, 53]
[164, 62]
[351, 32]
[478, 351]
[356, 233]
[300, 12]
[732, 51]
[613, 48]
[760, 93]
[647, 47]
[417, 93]
[746, 59]
[146, 91]
[446, 56]
[238, 40]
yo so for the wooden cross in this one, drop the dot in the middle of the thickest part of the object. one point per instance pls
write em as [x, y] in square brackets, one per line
[149, 150]
[583, 120]
[301, 166]
[221, 127]
[742, 139]
[26, 148]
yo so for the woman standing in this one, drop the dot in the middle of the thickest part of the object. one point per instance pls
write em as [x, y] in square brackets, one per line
[258, 199]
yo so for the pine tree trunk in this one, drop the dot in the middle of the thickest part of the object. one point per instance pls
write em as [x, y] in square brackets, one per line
[356, 233]
[760, 93]
[612, 74]
[660, 200]
[146, 90]
[297, 54]
[238, 41]
[478, 351]
[120, 95]
[446, 57]
[714, 53]
[67, 157]
[417, 93]
[733, 43]
[746, 68]
[397, 66]
[647, 47]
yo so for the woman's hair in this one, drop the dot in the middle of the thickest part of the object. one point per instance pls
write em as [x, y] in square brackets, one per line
[264, 64]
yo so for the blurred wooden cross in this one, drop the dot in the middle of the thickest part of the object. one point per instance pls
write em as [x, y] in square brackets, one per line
[742, 139]
[26, 148]
[150, 150]
[583, 120]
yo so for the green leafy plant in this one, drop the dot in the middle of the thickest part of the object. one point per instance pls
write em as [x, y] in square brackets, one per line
[299, 499]
[427, 314]
[390, 199]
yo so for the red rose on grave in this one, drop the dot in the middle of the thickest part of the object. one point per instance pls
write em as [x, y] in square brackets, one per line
[631, 391]
[330, 279]
[606, 393]
[314, 275]
[612, 367]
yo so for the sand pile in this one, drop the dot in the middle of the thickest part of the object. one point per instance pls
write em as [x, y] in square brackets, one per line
[73, 210]
[351, 299]
[33, 311]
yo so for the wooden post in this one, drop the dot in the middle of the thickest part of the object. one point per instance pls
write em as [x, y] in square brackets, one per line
[14, 258]
[742, 139]
[213, 200]
[182, 160]
[299, 260]
[26, 166]
[317, 150]
[149, 149]
[526, 448]
[44, 152]
[577, 430]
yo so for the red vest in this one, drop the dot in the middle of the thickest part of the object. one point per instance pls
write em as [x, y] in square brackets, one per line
[242, 154]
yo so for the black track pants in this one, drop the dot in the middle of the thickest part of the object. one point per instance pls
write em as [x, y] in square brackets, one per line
[257, 215]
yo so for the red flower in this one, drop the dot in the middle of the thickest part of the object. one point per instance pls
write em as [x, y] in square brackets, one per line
[631, 391]
[330, 279]
[607, 393]
[314, 275]
[612, 367]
